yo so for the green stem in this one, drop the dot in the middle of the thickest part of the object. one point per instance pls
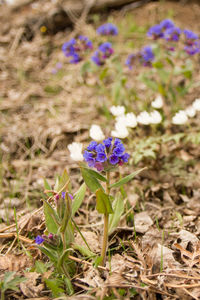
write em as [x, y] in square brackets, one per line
[106, 222]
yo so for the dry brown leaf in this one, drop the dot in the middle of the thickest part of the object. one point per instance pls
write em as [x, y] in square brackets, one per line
[161, 253]
[91, 238]
[91, 277]
[142, 222]
[29, 287]
[13, 262]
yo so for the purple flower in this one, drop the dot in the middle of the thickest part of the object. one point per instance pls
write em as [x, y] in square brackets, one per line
[130, 61]
[107, 29]
[88, 156]
[75, 58]
[119, 149]
[113, 159]
[190, 34]
[192, 49]
[92, 146]
[172, 34]
[125, 157]
[39, 240]
[147, 55]
[106, 154]
[107, 142]
[85, 41]
[167, 23]
[63, 195]
[155, 32]
[71, 196]
[68, 47]
[106, 49]
[101, 157]
[97, 59]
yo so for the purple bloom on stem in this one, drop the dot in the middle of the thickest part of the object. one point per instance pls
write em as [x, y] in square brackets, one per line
[190, 34]
[39, 240]
[147, 54]
[99, 166]
[119, 149]
[107, 29]
[113, 159]
[92, 146]
[172, 34]
[106, 49]
[68, 47]
[96, 58]
[63, 195]
[50, 236]
[71, 196]
[86, 42]
[167, 23]
[75, 58]
[117, 142]
[125, 157]
[155, 32]
[88, 156]
[192, 49]
[101, 157]
[107, 142]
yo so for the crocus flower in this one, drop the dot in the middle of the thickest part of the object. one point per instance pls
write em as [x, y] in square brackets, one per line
[129, 120]
[120, 131]
[117, 110]
[180, 118]
[75, 150]
[158, 102]
[190, 111]
[96, 133]
[196, 104]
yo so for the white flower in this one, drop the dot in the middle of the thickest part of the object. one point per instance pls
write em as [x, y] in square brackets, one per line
[75, 150]
[190, 111]
[96, 133]
[158, 102]
[180, 118]
[129, 120]
[120, 131]
[156, 117]
[144, 118]
[117, 110]
[196, 104]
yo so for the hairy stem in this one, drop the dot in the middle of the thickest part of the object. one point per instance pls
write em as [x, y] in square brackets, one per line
[105, 229]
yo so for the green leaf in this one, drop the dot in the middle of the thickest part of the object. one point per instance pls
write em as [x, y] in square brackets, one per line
[86, 67]
[103, 205]
[92, 183]
[103, 73]
[96, 175]
[40, 267]
[158, 65]
[55, 286]
[63, 182]
[126, 179]
[118, 208]
[51, 218]
[83, 250]
[78, 199]
[47, 187]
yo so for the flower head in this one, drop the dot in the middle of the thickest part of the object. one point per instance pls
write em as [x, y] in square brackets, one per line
[96, 133]
[75, 150]
[155, 32]
[117, 110]
[155, 117]
[180, 118]
[120, 131]
[130, 60]
[144, 118]
[190, 36]
[190, 111]
[196, 104]
[129, 120]
[105, 155]
[147, 55]
[107, 29]
[158, 102]
[167, 23]
[39, 239]
[104, 51]
[172, 34]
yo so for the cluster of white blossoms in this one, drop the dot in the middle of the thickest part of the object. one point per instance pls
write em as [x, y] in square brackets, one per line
[181, 117]
[129, 120]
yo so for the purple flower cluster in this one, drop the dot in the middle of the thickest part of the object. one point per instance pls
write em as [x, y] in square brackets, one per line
[104, 51]
[145, 57]
[109, 153]
[168, 31]
[107, 29]
[75, 48]
[44, 238]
